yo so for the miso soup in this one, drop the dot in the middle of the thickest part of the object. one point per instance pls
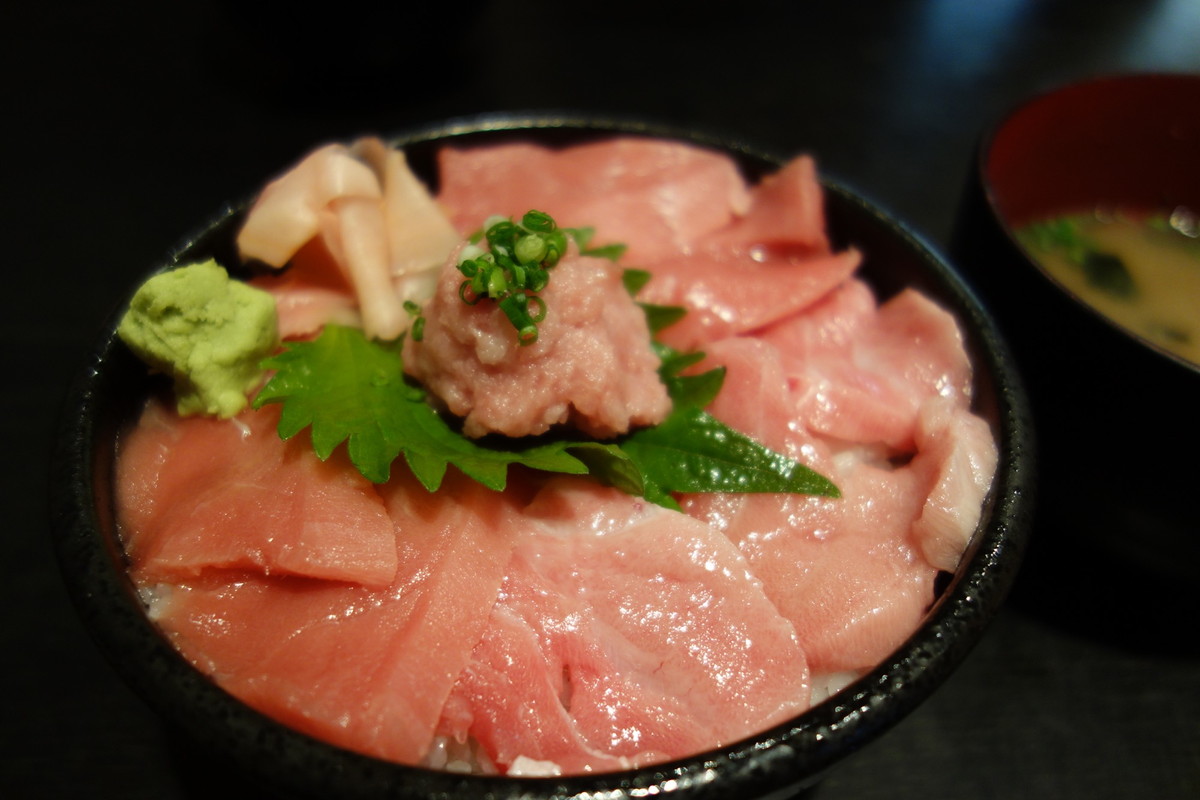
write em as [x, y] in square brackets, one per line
[1142, 272]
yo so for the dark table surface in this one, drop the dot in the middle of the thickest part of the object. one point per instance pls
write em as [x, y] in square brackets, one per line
[126, 124]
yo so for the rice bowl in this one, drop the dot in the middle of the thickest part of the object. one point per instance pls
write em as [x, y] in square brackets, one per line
[787, 756]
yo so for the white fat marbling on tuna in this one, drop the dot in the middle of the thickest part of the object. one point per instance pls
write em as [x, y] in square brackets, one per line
[592, 366]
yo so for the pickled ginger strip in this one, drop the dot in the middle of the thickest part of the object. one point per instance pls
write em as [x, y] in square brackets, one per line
[385, 231]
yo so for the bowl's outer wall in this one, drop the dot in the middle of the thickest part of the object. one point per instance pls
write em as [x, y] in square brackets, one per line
[780, 761]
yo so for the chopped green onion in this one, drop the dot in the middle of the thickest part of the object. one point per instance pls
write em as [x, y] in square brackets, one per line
[516, 266]
[540, 314]
[467, 294]
[556, 248]
[538, 221]
[531, 249]
[515, 308]
[417, 330]
[497, 286]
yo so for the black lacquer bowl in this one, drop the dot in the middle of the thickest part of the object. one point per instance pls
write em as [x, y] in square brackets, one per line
[775, 763]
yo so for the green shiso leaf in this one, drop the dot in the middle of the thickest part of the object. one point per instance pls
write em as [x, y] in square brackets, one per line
[691, 451]
[634, 280]
[661, 317]
[347, 388]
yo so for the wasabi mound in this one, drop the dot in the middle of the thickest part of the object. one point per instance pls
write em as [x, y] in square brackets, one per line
[206, 331]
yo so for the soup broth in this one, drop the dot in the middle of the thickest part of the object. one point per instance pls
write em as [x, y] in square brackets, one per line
[1142, 272]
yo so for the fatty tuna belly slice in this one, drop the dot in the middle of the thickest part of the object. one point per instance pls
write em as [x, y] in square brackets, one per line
[736, 288]
[861, 373]
[624, 634]
[786, 208]
[957, 456]
[199, 493]
[843, 570]
[655, 197]
[365, 669]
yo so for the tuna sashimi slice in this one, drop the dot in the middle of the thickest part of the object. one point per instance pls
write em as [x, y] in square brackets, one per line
[199, 493]
[786, 208]
[957, 451]
[755, 399]
[655, 197]
[924, 340]
[861, 376]
[731, 288]
[302, 311]
[365, 669]
[844, 571]
[514, 696]
[632, 633]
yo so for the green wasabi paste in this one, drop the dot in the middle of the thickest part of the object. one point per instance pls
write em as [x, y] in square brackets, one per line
[207, 331]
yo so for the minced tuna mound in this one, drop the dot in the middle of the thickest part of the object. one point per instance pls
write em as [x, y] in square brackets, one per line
[591, 367]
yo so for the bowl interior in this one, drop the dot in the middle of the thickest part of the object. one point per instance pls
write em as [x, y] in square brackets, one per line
[787, 757]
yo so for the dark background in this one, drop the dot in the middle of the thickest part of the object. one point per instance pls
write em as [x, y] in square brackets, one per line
[127, 124]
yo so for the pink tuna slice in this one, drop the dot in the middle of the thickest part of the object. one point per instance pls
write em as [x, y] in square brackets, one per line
[956, 450]
[786, 208]
[754, 399]
[766, 266]
[365, 669]
[844, 571]
[197, 494]
[655, 197]
[731, 288]
[861, 376]
[624, 634]
[302, 311]
[592, 365]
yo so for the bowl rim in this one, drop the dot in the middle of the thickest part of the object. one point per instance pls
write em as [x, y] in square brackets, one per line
[792, 754]
[983, 152]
